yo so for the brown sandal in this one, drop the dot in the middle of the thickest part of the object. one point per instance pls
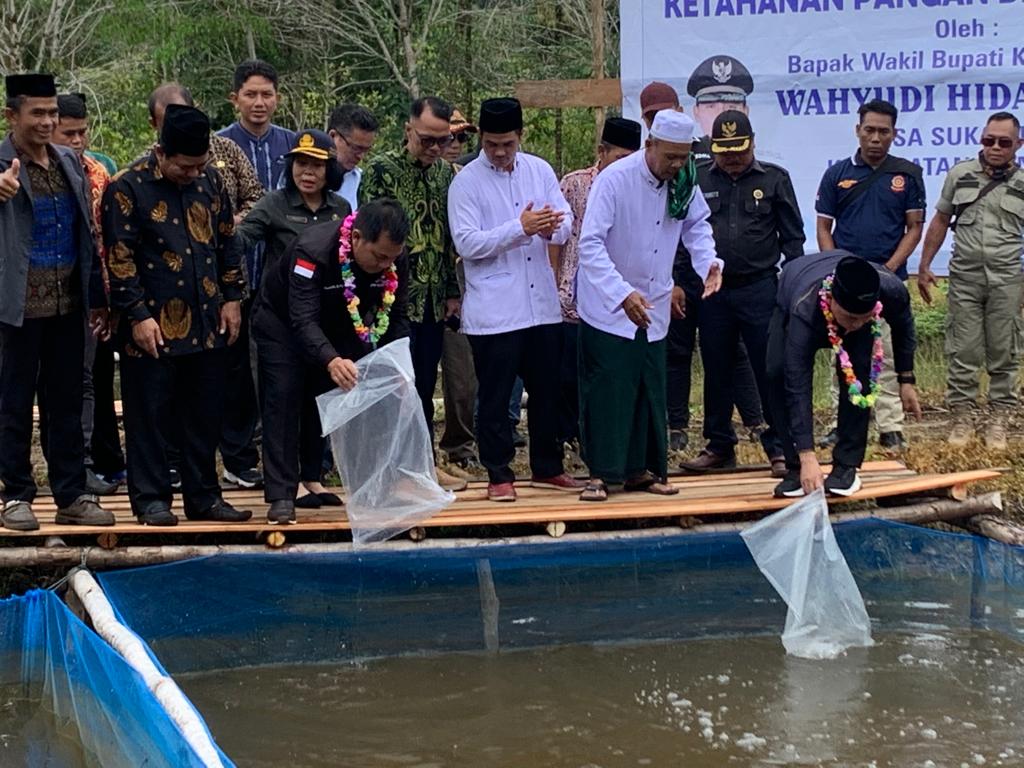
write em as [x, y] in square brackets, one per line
[594, 490]
[648, 483]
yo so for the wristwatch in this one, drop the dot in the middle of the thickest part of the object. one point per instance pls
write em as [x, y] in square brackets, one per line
[906, 378]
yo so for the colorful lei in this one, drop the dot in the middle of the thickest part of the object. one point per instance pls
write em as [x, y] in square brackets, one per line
[369, 335]
[854, 388]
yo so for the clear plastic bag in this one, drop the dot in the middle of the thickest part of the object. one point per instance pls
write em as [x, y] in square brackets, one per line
[382, 448]
[797, 552]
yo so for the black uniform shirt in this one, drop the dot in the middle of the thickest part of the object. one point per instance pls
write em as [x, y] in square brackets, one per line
[304, 290]
[755, 218]
[172, 255]
[806, 332]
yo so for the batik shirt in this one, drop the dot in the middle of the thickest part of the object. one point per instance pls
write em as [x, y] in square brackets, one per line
[423, 193]
[53, 279]
[240, 179]
[172, 255]
[575, 186]
[98, 178]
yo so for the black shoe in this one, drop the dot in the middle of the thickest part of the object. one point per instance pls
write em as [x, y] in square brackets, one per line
[281, 512]
[175, 479]
[892, 441]
[97, 486]
[829, 440]
[329, 499]
[778, 466]
[160, 516]
[518, 439]
[842, 481]
[309, 501]
[678, 439]
[221, 512]
[790, 487]
[468, 464]
[246, 478]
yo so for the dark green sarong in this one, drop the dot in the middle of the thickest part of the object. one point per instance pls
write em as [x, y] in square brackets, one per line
[622, 405]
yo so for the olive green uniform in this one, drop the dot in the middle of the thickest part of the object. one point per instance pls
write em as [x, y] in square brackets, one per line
[983, 326]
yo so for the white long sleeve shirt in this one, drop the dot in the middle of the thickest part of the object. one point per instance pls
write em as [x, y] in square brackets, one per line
[628, 243]
[509, 281]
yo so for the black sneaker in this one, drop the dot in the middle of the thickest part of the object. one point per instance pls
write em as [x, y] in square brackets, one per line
[829, 440]
[892, 441]
[790, 487]
[97, 486]
[175, 479]
[159, 516]
[246, 478]
[221, 512]
[678, 439]
[842, 481]
[281, 512]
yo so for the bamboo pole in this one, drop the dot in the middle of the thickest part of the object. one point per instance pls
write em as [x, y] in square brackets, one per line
[97, 557]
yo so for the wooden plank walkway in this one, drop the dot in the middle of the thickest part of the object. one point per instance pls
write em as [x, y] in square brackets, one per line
[700, 495]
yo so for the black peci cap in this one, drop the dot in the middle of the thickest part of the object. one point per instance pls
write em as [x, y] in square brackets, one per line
[186, 131]
[34, 84]
[621, 132]
[501, 116]
[856, 285]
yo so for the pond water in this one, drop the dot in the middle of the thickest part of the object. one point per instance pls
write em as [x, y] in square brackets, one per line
[30, 735]
[933, 697]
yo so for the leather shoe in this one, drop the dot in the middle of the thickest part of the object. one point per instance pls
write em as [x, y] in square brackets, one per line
[220, 512]
[708, 460]
[158, 516]
[281, 512]
[778, 466]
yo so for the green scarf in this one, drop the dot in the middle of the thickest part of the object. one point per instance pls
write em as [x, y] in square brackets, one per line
[680, 191]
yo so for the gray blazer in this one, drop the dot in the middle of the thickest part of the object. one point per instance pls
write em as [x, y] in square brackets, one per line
[16, 217]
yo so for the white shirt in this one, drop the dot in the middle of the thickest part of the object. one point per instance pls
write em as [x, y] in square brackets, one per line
[349, 188]
[509, 280]
[628, 243]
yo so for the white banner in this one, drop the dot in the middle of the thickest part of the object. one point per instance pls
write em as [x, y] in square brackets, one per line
[946, 65]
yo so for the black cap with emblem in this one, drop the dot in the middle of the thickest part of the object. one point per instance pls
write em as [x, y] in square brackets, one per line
[731, 132]
[720, 78]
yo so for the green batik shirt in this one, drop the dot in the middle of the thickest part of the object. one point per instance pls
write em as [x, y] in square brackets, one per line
[423, 193]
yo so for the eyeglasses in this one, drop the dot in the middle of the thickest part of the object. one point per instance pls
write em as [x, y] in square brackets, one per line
[462, 137]
[1004, 142]
[359, 149]
[433, 141]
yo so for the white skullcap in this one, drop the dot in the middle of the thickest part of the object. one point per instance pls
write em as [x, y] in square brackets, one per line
[673, 126]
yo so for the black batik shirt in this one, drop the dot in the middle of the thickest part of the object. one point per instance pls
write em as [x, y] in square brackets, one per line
[172, 255]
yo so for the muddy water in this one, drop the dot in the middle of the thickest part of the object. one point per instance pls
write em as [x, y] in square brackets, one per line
[938, 699]
[30, 736]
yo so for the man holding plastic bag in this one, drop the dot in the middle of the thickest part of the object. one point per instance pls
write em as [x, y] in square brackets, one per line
[336, 295]
[835, 300]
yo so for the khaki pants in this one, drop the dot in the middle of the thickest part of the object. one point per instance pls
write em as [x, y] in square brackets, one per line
[983, 328]
[888, 408]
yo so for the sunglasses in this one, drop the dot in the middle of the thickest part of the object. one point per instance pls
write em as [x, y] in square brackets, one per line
[461, 137]
[434, 141]
[1004, 142]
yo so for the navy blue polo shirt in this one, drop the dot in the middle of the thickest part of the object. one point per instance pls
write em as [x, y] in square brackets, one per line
[872, 225]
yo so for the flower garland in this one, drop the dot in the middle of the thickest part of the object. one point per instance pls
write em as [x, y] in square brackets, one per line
[369, 335]
[854, 388]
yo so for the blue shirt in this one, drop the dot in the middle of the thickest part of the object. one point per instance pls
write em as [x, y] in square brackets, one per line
[872, 225]
[265, 152]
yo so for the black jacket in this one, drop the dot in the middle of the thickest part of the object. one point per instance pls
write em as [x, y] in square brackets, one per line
[804, 324]
[315, 308]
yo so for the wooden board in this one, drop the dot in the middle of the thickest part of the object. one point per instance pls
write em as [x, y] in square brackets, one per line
[555, 94]
[698, 496]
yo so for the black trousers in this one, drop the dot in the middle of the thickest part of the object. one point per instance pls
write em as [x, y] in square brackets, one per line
[45, 355]
[241, 412]
[853, 422]
[726, 318]
[532, 354]
[293, 449]
[186, 392]
[426, 343]
[105, 447]
[569, 381]
[682, 340]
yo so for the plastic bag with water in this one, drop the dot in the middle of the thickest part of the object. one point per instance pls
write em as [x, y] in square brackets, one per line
[797, 552]
[382, 448]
